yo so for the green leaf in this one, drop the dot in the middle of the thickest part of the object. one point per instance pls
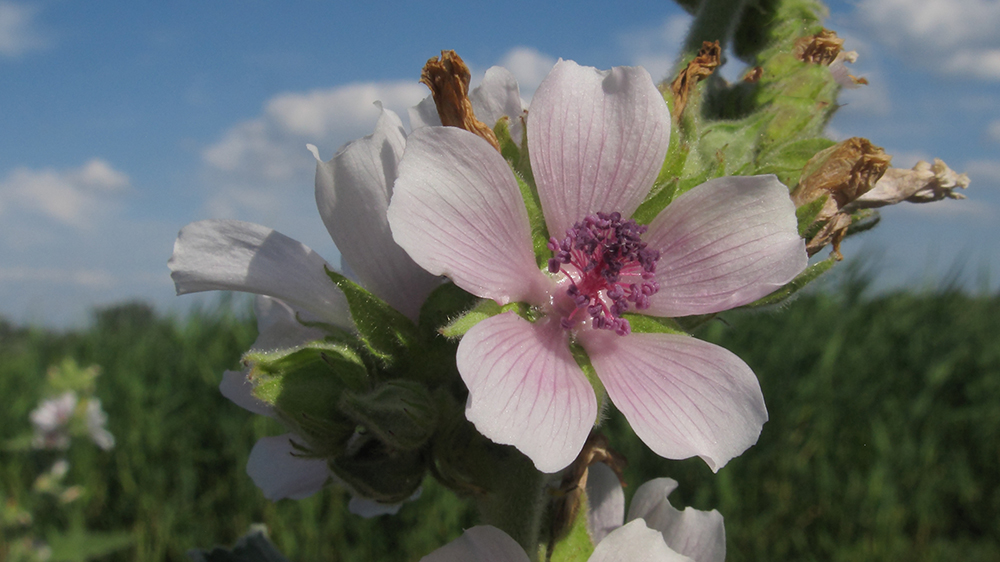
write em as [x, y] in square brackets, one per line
[808, 276]
[386, 332]
[78, 544]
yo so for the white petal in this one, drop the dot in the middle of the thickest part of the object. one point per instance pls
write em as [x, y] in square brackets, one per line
[479, 544]
[458, 212]
[424, 114]
[682, 396]
[526, 390]
[700, 535]
[228, 255]
[352, 192]
[725, 243]
[279, 474]
[606, 499]
[278, 325]
[370, 508]
[598, 140]
[498, 96]
[635, 542]
[239, 390]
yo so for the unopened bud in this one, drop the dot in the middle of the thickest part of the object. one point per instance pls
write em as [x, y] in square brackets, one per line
[304, 386]
[378, 473]
[399, 413]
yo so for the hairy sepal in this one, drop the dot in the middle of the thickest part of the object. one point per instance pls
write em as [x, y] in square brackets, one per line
[386, 333]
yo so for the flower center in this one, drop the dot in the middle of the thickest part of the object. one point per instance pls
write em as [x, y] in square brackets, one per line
[608, 266]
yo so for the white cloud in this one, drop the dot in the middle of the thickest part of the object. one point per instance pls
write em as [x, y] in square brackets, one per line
[656, 48]
[950, 36]
[82, 277]
[257, 164]
[529, 66]
[77, 197]
[993, 130]
[983, 173]
[18, 32]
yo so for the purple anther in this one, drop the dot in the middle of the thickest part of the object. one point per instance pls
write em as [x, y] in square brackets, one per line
[612, 267]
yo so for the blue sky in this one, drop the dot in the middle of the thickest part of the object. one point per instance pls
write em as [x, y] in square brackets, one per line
[123, 121]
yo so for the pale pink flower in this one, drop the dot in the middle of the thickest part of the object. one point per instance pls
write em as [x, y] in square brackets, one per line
[653, 531]
[633, 542]
[597, 141]
[699, 535]
[352, 193]
[51, 421]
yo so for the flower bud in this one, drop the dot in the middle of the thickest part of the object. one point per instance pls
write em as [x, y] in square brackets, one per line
[304, 386]
[399, 413]
[372, 470]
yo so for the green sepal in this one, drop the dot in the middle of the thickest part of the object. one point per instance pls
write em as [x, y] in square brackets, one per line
[642, 324]
[806, 277]
[386, 332]
[806, 215]
[539, 232]
[378, 473]
[399, 413]
[520, 163]
[304, 386]
[445, 304]
[509, 149]
[787, 161]
[865, 219]
[577, 545]
[457, 327]
[583, 361]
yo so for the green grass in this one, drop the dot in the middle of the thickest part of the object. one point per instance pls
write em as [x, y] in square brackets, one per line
[883, 441]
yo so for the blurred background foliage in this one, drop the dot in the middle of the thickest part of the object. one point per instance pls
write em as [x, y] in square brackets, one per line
[883, 441]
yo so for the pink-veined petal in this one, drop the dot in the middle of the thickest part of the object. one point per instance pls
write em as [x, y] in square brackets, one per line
[482, 543]
[352, 192]
[280, 474]
[682, 396]
[239, 390]
[278, 325]
[635, 542]
[496, 97]
[725, 243]
[606, 499]
[699, 535]
[598, 140]
[458, 212]
[229, 255]
[526, 390]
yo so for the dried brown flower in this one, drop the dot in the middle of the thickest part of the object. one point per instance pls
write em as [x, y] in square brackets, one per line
[826, 48]
[448, 79]
[844, 172]
[709, 57]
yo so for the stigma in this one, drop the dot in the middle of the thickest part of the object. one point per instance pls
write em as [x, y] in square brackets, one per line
[608, 268]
